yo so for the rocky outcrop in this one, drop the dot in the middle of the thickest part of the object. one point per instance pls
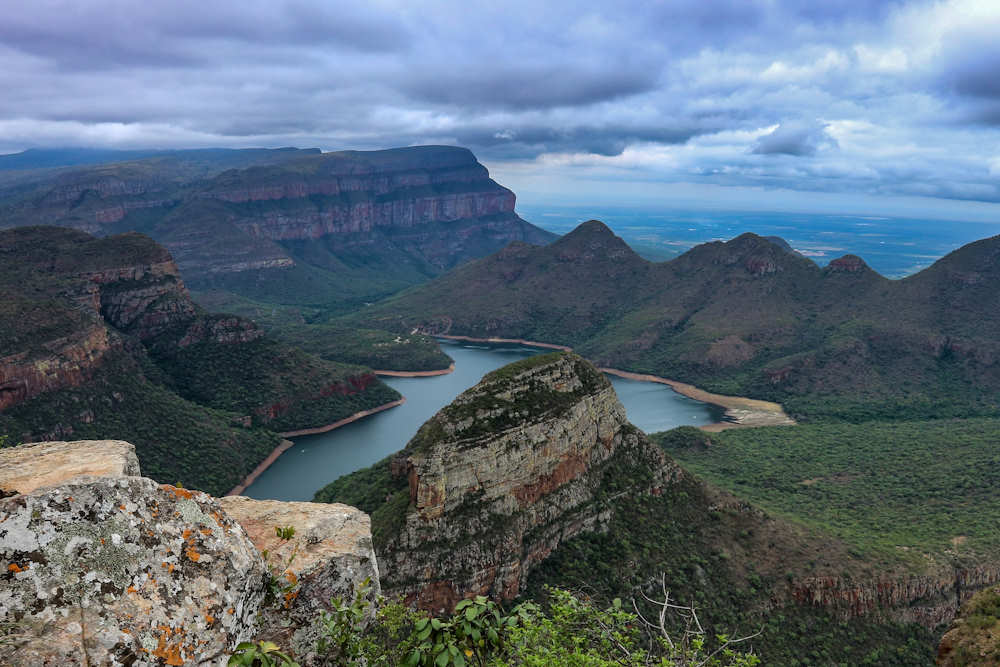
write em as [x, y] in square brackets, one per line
[503, 475]
[930, 599]
[973, 640]
[66, 361]
[28, 467]
[330, 556]
[102, 566]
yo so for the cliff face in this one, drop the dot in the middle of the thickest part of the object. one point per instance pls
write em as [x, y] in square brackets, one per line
[102, 566]
[354, 192]
[220, 222]
[100, 335]
[930, 600]
[503, 475]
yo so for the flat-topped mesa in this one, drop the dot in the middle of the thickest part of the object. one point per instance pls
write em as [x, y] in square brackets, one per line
[500, 477]
[104, 567]
[353, 191]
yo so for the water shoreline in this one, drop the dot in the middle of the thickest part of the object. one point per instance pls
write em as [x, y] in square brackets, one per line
[740, 410]
[288, 444]
[416, 374]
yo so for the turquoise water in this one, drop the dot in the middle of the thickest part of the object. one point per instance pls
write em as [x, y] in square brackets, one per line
[317, 460]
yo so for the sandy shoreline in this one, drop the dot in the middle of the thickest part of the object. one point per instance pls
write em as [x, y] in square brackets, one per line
[740, 411]
[287, 444]
[743, 411]
[416, 374]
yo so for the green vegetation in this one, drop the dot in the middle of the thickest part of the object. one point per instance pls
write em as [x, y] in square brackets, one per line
[571, 630]
[721, 558]
[120, 352]
[175, 439]
[894, 491]
[366, 347]
[745, 317]
[277, 385]
[972, 639]
[376, 491]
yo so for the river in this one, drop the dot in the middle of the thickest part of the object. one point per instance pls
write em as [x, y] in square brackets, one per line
[317, 460]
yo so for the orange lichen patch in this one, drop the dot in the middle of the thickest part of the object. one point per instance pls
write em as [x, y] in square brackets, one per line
[291, 577]
[206, 531]
[121, 507]
[289, 598]
[170, 568]
[132, 589]
[209, 618]
[102, 540]
[192, 554]
[126, 631]
[217, 517]
[186, 534]
[230, 611]
[14, 567]
[170, 654]
[180, 493]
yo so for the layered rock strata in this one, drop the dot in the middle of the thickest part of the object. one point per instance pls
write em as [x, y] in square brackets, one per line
[105, 567]
[503, 475]
[232, 221]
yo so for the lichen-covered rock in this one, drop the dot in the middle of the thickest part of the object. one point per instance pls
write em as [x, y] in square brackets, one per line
[330, 555]
[124, 571]
[28, 467]
[513, 467]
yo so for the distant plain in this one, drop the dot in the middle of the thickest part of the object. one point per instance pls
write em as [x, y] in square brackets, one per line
[895, 247]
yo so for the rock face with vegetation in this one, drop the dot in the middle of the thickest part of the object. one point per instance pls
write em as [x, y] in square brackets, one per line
[742, 317]
[103, 567]
[973, 640]
[500, 477]
[330, 554]
[101, 339]
[293, 227]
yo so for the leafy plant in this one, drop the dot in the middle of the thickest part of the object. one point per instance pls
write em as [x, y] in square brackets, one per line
[281, 582]
[343, 626]
[260, 654]
[477, 630]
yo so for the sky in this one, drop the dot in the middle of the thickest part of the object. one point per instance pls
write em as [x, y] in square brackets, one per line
[877, 106]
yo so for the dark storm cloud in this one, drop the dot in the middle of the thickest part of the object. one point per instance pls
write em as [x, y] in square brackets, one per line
[687, 89]
[530, 86]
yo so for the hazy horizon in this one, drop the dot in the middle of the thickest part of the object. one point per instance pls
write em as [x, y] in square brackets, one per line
[866, 106]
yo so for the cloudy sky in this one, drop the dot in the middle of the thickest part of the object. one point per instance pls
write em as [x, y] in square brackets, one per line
[796, 104]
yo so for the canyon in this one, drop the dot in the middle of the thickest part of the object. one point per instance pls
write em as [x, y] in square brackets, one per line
[516, 483]
[103, 331]
[745, 317]
[391, 217]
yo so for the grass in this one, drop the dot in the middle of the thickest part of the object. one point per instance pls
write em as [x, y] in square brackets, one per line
[895, 491]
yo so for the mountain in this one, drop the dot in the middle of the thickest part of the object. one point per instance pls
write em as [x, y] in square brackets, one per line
[534, 477]
[288, 225]
[101, 339]
[744, 317]
[287, 237]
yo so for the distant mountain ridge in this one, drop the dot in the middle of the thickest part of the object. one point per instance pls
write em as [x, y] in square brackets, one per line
[740, 317]
[286, 225]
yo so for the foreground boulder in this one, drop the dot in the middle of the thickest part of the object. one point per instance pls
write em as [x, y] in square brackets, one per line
[119, 570]
[329, 556]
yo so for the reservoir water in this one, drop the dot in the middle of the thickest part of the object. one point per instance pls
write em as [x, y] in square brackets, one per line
[317, 460]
